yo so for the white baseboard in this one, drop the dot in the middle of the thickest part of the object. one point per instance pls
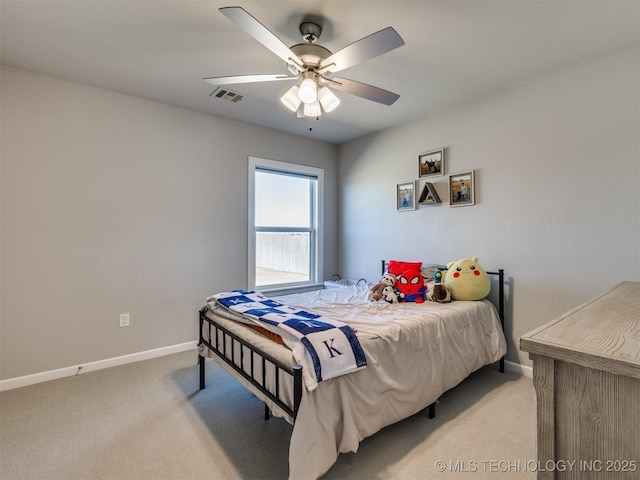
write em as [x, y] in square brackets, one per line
[32, 379]
[518, 368]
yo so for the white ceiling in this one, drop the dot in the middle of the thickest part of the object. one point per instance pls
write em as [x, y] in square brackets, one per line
[454, 52]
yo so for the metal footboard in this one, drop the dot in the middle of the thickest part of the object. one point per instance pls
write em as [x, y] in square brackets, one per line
[217, 342]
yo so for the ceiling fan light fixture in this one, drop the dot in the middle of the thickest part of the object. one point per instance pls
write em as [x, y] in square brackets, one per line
[328, 99]
[309, 63]
[291, 99]
[312, 109]
[308, 91]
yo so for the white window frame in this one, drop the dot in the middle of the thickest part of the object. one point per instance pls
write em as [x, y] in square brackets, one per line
[317, 221]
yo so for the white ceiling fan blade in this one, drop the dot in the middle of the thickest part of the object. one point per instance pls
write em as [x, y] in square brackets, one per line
[230, 80]
[364, 49]
[257, 30]
[364, 90]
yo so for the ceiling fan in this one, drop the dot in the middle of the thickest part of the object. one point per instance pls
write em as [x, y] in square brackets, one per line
[313, 65]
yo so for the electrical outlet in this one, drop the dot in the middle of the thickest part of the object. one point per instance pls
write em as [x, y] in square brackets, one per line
[124, 319]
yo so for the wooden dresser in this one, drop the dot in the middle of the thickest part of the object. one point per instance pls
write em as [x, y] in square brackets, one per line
[586, 373]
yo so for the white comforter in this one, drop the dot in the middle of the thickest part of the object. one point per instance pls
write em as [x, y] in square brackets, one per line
[415, 352]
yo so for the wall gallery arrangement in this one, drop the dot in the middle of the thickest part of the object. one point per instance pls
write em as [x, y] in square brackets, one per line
[432, 164]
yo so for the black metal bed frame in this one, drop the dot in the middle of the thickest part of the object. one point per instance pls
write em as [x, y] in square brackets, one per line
[228, 355]
[221, 335]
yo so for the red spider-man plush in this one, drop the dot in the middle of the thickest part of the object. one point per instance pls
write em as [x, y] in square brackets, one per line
[411, 287]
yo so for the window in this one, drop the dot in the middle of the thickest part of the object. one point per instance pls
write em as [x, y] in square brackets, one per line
[285, 224]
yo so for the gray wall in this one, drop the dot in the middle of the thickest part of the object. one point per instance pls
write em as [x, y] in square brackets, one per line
[557, 164]
[113, 204]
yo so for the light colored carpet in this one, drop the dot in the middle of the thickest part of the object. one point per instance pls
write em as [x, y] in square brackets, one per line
[148, 420]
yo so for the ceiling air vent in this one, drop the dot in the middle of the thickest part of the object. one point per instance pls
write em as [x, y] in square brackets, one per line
[224, 94]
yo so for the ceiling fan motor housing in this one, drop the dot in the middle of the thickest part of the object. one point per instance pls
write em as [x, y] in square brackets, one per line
[311, 54]
[310, 31]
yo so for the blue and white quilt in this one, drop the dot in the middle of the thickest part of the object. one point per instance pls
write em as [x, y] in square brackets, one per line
[324, 347]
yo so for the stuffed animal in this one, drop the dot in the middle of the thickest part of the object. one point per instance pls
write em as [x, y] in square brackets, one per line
[389, 294]
[388, 280]
[467, 280]
[439, 293]
[411, 286]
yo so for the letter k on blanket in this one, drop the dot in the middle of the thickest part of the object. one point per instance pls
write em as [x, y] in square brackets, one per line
[325, 348]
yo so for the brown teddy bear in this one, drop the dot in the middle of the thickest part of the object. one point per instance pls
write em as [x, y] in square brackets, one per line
[388, 280]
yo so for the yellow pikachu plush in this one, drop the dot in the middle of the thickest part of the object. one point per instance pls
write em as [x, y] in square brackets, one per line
[467, 280]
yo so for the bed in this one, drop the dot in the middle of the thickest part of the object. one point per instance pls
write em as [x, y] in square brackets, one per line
[415, 353]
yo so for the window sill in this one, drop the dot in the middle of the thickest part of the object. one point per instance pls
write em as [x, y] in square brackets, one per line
[273, 292]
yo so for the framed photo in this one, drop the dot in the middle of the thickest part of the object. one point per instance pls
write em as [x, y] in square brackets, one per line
[431, 164]
[462, 189]
[406, 195]
[429, 196]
